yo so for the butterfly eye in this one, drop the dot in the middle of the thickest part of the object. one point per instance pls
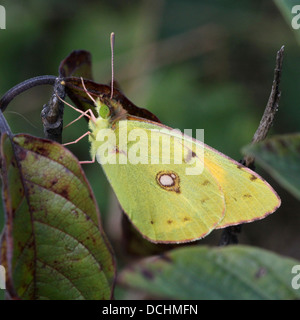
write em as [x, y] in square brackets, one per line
[104, 111]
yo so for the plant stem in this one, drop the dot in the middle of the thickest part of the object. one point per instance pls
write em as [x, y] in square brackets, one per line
[24, 86]
[229, 235]
[52, 113]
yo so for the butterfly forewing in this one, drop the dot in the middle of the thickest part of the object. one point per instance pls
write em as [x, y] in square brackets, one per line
[162, 201]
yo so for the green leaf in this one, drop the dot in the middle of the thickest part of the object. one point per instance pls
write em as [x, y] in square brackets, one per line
[280, 156]
[200, 272]
[54, 246]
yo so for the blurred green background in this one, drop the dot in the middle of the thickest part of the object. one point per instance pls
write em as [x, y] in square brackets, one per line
[195, 64]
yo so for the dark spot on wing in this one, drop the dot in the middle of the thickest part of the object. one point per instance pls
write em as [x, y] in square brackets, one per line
[168, 180]
[204, 200]
[247, 195]
[191, 154]
[117, 150]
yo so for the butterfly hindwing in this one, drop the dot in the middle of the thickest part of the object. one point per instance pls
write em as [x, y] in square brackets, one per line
[248, 196]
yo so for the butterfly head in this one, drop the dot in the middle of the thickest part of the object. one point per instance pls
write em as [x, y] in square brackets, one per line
[103, 110]
[109, 109]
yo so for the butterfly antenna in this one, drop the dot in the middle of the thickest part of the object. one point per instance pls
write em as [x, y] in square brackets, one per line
[112, 45]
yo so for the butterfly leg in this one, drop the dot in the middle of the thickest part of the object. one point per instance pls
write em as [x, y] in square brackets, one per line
[75, 141]
[88, 161]
[78, 139]
[82, 115]
[90, 116]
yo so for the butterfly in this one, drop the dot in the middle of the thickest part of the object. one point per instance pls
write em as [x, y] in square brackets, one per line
[179, 190]
[173, 188]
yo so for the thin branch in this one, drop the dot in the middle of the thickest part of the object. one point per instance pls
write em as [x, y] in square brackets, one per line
[267, 119]
[52, 113]
[229, 235]
[24, 86]
[4, 127]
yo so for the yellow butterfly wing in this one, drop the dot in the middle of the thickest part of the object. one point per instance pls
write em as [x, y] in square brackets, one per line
[167, 205]
[248, 196]
[162, 202]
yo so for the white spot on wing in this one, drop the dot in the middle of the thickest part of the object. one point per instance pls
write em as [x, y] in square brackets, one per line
[166, 180]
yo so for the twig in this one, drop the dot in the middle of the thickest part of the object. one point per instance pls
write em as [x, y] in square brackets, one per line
[229, 235]
[267, 119]
[52, 113]
[24, 86]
